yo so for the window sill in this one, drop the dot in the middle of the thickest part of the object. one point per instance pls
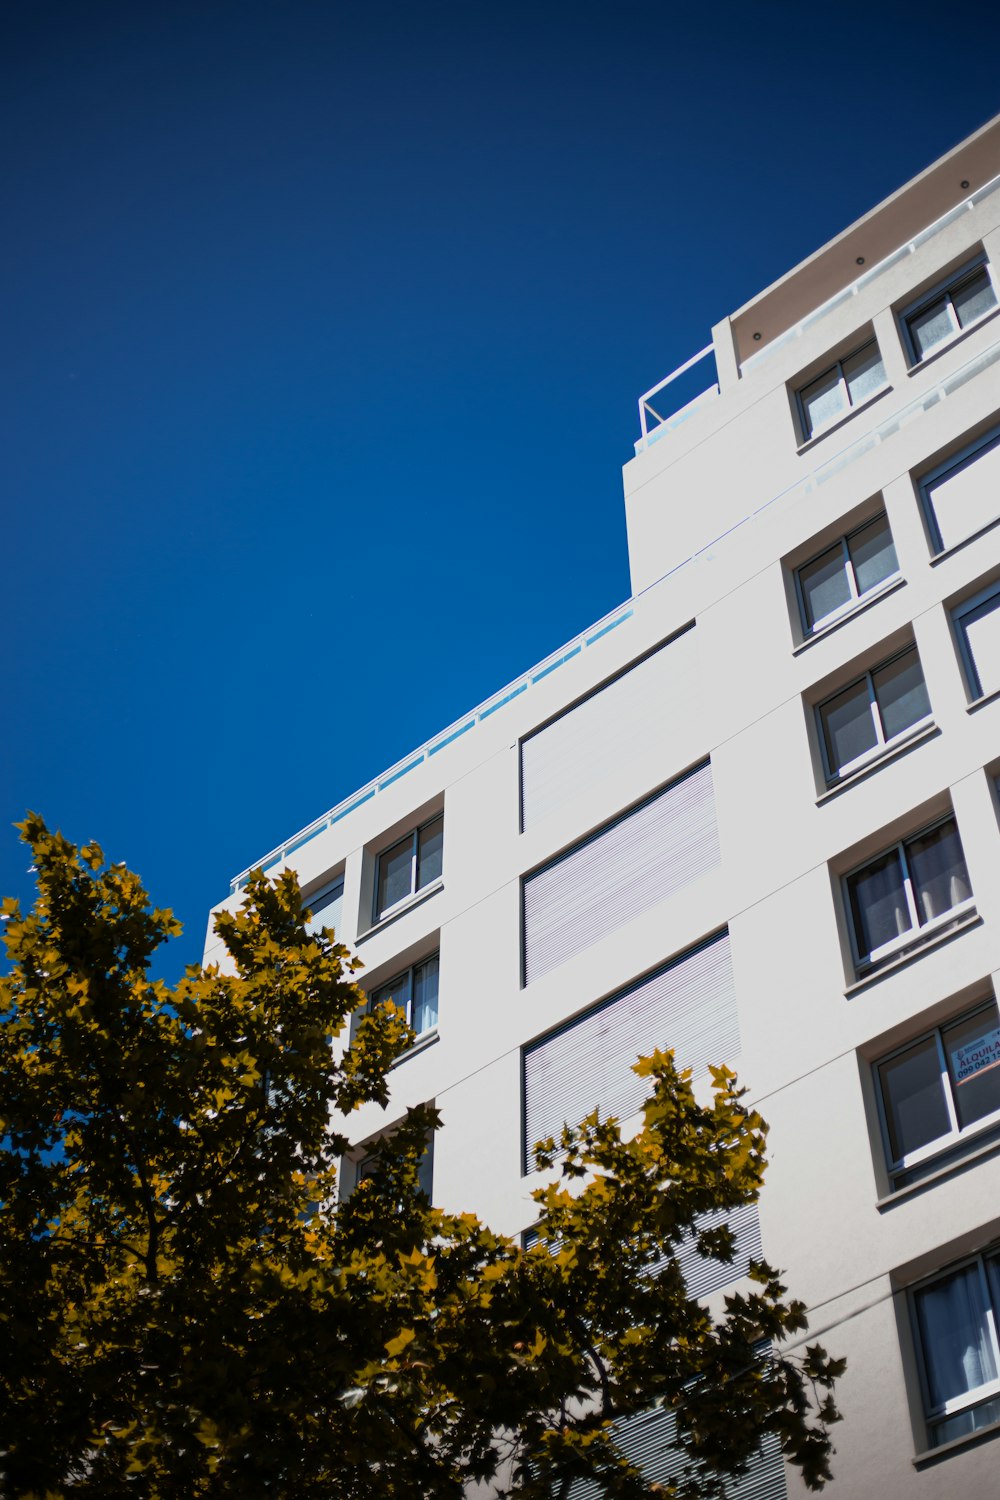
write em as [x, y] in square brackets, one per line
[946, 552]
[933, 940]
[818, 437]
[898, 747]
[957, 1163]
[401, 910]
[949, 343]
[424, 1040]
[889, 587]
[943, 1450]
[981, 702]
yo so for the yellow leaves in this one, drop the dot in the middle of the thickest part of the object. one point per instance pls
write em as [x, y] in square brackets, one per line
[394, 1347]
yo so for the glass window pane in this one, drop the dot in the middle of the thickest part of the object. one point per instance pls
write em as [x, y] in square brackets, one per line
[825, 586]
[973, 297]
[873, 554]
[878, 903]
[823, 400]
[937, 869]
[864, 373]
[916, 1111]
[848, 727]
[954, 1335]
[972, 1046]
[395, 874]
[901, 693]
[965, 1422]
[397, 990]
[425, 995]
[429, 856]
[931, 326]
[981, 630]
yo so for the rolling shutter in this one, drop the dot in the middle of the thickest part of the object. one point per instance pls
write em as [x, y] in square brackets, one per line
[611, 727]
[619, 872]
[647, 1440]
[966, 495]
[688, 1005]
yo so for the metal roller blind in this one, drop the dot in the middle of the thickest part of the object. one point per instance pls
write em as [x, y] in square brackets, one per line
[620, 871]
[605, 730]
[701, 1276]
[966, 496]
[647, 1440]
[688, 1005]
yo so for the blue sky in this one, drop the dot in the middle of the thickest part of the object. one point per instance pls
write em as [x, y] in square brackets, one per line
[324, 326]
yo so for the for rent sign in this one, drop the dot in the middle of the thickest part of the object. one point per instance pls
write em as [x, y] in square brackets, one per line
[975, 1057]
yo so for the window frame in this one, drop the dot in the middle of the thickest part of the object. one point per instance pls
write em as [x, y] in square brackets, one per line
[958, 1136]
[416, 888]
[407, 974]
[990, 1391]
[857, 598]
[955, 461]
[942, 291]
[883, 744]
[958, 614]
[806, 428]
[918, 932]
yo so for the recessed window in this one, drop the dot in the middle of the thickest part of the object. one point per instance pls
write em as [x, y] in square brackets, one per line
[940, 1091]
[977, 629]
[845, 573]
[873, 711]
[355, 1170]
[326, 906]
[415, 992]
[962, 495]
[942, 313]
[955, 1316]
[846, 384]
[408, 867]
[915, 888]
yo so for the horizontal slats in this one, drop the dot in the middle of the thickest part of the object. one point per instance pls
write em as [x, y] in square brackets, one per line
[620, 871]
[613, 726]
[689, 1005]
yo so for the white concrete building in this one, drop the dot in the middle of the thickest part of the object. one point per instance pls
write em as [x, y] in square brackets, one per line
[753, 814]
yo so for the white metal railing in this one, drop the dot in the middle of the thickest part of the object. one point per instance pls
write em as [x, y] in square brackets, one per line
[461, 726]
[664, 414]
[667, 420]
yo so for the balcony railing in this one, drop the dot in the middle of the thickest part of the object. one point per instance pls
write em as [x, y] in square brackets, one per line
[658, 411]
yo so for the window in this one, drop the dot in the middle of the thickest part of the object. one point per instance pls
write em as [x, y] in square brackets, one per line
[977, 627]
[872, 712]
[408, 867]
[326, 905]
[847, 383]
[415, 991]
[844, 574]
[955, 1318]
[962, 495]
[917, 887]
[943, 312]
[938, 1091]
[618, 872]
[360, 1168]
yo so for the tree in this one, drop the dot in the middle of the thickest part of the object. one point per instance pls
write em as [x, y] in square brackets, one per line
[186, 1311]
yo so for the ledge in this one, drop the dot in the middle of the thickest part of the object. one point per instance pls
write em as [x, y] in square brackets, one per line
[934, 940]
[945, 553]
[889, 753]
[424, 1040]
[400, 911]
[889, 587]
[982, 701]
[968, 1440]
[957, 1164]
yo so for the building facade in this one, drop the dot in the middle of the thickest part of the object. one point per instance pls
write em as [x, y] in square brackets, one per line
[753, 814]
